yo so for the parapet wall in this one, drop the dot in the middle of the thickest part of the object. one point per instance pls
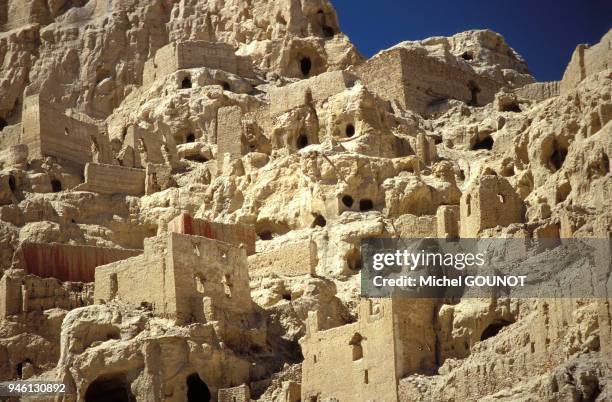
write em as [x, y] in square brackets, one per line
[235, 234]
[68, 262]
[113, 179]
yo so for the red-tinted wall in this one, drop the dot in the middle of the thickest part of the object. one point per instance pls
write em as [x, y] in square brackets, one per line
[235, 234]
[69, 262]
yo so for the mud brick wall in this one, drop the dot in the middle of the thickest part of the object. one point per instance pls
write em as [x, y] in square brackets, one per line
[320, 87]
[229, 134]
[67, 138]
[113, 179]
[69, 262]
[415, 81]
[293, 259]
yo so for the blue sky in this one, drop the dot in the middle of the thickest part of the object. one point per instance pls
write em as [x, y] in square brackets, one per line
[544, 32]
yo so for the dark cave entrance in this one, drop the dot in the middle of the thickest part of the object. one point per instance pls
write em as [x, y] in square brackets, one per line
[366, 205]
[190, 138]
[493, 329]
[319, 221]
[12, 183]
[350, 130]
[474, 90]
[186, 83]
[485, 143]
[302, 141]
[558, 156]
[347, 200]
[197, 390]
[56, 186]
[114, 388]
[305, 66]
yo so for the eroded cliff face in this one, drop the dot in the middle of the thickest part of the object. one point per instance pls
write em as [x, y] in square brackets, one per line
[170, 132]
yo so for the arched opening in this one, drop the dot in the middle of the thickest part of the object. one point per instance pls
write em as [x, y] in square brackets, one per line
[485, 143]
[197, 390]
[493, 329]
[474, 90]
[56, 185]
[349, 130]
[558, 156]
[113, 388]
[355, 342]
[265, 235]
[347, 200]
[186, 83]
[12, 183]
[225, 85]
[190, 138]
[319, 221]
[3, 123]
[467, 55]
[302, 141]
[366, 205]
[305, 66]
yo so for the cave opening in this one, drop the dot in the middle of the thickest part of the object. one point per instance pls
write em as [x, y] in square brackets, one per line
[347, 200]
[349, 130]
[558, 156]
[474, 90]
[225, 85]
[12, 183]
[265, 235]
[305, 66]
[485, 143]
[197, 390]
[467, 55]
[328, 32]
[302, 141]
[365, 205]
[190, 138]
[114, 388]
[511, 107]
[319, 221]
[493, 329]
[56, 186]
[3, 123]
[186, 83]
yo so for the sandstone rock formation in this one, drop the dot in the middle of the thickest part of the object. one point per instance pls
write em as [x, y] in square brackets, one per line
[185, 185]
